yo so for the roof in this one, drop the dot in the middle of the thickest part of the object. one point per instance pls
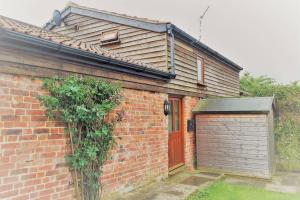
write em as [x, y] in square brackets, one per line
[204, 48]
[72, 46]
[148, 24]
[28, 29]
[144, 23]
[235, 105]
[72, 4]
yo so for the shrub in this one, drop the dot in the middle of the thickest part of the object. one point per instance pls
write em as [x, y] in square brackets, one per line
[287, 126]
[288, 142]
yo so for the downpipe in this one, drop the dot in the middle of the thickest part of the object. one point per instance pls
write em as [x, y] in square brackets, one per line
[172, 50]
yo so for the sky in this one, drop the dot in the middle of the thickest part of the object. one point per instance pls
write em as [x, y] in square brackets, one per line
[262, 36]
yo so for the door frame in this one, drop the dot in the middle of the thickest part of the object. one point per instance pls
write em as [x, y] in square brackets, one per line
[181, 105]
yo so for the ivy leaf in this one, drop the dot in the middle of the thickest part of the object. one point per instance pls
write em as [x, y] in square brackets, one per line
[105, 130]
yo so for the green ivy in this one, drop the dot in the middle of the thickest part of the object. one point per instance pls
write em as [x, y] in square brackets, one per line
[85, 105]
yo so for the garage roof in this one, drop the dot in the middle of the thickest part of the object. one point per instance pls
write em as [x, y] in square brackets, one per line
[235, 105]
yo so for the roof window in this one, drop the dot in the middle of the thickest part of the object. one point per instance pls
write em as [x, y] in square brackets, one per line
[109, 37]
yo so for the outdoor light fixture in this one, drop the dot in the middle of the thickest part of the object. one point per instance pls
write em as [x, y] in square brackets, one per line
[166, 107]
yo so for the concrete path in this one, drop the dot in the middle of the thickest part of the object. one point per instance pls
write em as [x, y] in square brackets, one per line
[286, 182]
[176, 187]
[181, 185]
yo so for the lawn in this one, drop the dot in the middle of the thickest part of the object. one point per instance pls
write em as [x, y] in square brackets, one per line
[224, 191]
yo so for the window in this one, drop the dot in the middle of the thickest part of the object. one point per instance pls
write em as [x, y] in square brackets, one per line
[111, 36]
[174, 115]
[170, 118]
[200, 70]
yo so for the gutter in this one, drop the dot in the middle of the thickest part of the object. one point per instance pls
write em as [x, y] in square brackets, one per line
[180, 34]
[37, 45]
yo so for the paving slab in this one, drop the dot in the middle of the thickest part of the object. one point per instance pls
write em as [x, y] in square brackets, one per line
[210, 174]
[281, 188]
[286, 182]
[162, 196]
[177, 187]
[195, 180]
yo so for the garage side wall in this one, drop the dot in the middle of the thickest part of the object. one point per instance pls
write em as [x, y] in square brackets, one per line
[233, 143]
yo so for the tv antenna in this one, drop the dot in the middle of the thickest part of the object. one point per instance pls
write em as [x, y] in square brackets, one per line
[201, 19]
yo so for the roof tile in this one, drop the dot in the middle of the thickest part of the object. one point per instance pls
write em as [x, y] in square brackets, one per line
[22, 27]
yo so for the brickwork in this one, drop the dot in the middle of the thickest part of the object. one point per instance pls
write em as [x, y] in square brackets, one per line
[142, 152]
[32, 148]
[189, 137]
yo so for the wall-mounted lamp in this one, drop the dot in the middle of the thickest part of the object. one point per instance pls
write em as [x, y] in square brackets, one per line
[166, 107]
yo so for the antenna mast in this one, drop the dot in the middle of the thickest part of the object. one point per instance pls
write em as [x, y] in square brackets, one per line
[201, 19]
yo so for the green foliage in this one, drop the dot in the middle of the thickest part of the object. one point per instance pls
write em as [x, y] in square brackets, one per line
[257, 86]
[287, 97]
[84, 104]
[224, 191]
[288, 142]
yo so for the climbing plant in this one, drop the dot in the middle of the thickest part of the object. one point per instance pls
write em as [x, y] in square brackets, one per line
[85, 105]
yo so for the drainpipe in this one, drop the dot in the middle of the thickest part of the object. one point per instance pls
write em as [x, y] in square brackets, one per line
[172, 46]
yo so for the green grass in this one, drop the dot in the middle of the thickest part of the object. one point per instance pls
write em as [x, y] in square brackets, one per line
[224, 191]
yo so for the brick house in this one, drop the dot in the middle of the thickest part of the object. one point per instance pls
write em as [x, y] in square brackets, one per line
[155, 61]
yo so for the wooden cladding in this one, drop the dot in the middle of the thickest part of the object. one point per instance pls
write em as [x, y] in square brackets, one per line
[240, 144]
[218, 79]
[214, 79]
[139, 44]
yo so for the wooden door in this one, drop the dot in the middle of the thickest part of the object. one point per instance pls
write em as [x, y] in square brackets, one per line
[176, 157]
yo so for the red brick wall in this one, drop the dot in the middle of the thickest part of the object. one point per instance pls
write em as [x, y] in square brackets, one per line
[32, 148]
[189, 137]
[142, 152]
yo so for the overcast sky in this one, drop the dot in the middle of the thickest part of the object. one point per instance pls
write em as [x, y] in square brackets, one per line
[263, 36]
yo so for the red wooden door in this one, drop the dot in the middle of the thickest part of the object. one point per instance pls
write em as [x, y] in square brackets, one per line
[176, 157]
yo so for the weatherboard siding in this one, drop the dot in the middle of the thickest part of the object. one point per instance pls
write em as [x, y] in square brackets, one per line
[154, 48]
[234, 143]
[219, 80]
[139, 44]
